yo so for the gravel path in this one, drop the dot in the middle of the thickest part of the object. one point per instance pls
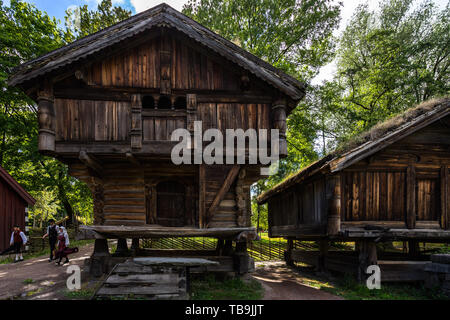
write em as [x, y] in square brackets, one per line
[49, 280]
[282, 283]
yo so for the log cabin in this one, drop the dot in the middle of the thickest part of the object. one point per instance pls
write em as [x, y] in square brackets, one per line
[108, 104]
[389, 184]
[14, 203]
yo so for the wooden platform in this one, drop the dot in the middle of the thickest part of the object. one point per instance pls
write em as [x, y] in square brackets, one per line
[158, 278]
[153, 231]
[396, 234]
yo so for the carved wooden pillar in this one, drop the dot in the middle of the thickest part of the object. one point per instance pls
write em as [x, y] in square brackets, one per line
[46, 118]
[136, 122]
[279, 122]
[191, 100]
[334, 204]
[165, 61]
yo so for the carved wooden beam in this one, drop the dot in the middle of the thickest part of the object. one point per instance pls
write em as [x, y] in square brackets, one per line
[91, 163]
[232, 174]
[136, 122]
[279, 122]
[201, 196]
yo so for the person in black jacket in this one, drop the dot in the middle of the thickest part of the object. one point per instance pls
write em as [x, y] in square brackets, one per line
[52, 234]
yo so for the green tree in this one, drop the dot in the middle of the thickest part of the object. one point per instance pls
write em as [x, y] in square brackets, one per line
[27, 33]
[391, 59]
[81, 22]
[295, 36]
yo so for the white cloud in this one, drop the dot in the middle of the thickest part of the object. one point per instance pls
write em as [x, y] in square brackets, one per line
[142, 5]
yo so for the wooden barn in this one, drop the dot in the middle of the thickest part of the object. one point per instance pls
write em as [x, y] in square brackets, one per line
[390, 184]
[14, 202]
[108, 104]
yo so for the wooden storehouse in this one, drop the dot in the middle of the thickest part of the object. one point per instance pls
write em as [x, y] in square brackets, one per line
[390, 184]
[14, 202]
[108, 104]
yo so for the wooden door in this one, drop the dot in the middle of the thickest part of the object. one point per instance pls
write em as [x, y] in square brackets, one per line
[170, 204]
[428, 200]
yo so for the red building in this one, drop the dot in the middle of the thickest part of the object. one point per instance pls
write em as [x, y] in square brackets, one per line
[14, 201]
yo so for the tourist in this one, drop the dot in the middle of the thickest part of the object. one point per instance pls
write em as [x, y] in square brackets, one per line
[52, 234]
[18, 239]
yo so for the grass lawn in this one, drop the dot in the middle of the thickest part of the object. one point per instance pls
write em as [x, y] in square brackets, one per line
[210, 288]
[347, 287]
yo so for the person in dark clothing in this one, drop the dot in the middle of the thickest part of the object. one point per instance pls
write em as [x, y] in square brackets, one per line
[52, 234]
[18, 239]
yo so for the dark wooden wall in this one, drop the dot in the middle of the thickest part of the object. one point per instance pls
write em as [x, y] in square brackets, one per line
[299, 205]
[140, 67]
[12, 211]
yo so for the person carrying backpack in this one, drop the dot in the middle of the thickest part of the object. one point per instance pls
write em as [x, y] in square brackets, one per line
[52, 234]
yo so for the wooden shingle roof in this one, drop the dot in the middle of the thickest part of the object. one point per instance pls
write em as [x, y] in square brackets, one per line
[376, 139]
[160, 16]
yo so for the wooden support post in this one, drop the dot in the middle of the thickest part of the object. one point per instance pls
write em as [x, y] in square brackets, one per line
[445, 198]
[279, 122]
[122, 248]
[413, 249]
[135, 247]
[220, 246]
[367, 257]
[96, 186]
[228, 248]
[411, 197]
[243, 201]
[333, 195]
[201, 196]
[288, 253]
[323, 247]
[136, 122]
[46, 118]
[241, 258]
[100, 258]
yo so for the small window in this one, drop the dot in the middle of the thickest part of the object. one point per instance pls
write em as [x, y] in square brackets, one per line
[164, 103]
[148, 102]
[180, 103]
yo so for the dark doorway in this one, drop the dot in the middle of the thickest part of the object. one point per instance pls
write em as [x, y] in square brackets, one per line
[170, 204]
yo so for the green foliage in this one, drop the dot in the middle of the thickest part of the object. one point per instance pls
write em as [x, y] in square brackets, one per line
[81, 22]
[293, 36]
[390, 60]
[350, 289]
[209, 288]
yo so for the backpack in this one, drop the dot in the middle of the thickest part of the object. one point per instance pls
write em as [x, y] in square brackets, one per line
[52, 232]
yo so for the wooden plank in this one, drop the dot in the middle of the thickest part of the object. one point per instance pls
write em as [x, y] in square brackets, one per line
[411, 197]
[231, 177]
[445, 198]
[201, 198]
